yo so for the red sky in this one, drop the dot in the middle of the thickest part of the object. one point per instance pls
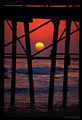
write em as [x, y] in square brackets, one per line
[44, 34]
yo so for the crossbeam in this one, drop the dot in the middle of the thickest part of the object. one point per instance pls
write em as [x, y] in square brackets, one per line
[38, 28]
[29, 31]
[41, 2]
[41, 58]
[57, 41]
[56, 53]
[20, 14]
[16, 37]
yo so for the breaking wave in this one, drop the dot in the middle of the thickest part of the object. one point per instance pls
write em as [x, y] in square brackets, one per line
[44, 70]
[39, 70]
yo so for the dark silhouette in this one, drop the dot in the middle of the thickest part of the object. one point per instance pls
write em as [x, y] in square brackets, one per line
[53, 63]
[14, 24]
[27, 13]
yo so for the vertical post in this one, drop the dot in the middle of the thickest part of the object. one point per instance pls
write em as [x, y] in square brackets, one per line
[66, 63]
[80, 69]
[1, 66]
[30, 72]
[14, 24]
[53, 63]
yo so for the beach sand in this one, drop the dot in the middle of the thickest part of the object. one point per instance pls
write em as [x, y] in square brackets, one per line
[42, 112]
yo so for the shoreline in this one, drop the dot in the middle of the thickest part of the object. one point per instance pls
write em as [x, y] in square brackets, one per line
[40, 112]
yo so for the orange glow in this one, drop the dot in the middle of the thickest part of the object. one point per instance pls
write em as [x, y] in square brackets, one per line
[42, 5]
[39, 46]
[43, 34]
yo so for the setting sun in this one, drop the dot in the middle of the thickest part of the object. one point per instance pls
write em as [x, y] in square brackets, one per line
[39, 45]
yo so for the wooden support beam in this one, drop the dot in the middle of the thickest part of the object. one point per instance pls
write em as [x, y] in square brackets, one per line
[52, 44]
[76, 24]
[1, 67]
[14, 24]
[41, 58]
[29, 31]
[80, 62]
[56, 53]
[38, 28]
[53, 63]
[20, 13]
[30, 72]
[17, 37]
[41, 2]
[66, 63]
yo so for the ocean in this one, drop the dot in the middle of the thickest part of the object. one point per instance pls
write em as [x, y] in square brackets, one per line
[41, 78]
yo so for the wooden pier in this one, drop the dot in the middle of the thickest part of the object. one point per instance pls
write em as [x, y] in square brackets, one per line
[23, 11]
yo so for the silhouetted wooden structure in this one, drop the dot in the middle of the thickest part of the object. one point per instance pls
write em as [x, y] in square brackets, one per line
[28, 48]
[53, 62]
[19, 8]
[14, 25]
[66, 64]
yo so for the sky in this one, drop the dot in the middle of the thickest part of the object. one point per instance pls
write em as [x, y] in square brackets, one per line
[44, 35]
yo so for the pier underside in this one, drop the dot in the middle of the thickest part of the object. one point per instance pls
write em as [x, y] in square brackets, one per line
[21, 14]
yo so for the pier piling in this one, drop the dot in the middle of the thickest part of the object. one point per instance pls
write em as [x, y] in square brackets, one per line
[13, 82]
[1, 67]
[66, 63]
[80, 97]
[66, 13]
[30, 72]
[53, 63]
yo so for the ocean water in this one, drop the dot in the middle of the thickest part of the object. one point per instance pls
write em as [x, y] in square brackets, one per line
[41, 78]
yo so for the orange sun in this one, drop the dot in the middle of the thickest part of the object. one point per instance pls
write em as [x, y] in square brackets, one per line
[39, 45]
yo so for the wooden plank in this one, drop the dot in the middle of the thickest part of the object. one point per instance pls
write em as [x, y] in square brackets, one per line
[66, 63]
[41, 58]
[56, 53]
[53, 63]
[80, 52]
[13, 82]
[30, 72]
[42, 2]
[19, 13]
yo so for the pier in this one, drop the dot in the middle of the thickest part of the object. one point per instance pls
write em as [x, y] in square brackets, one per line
[24, 11]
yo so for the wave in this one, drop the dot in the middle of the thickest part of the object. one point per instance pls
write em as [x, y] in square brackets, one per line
[17, 90]
[73, 69]
[45, 70]
[37, 70]
[6, 73]
[44, 90]
[36, 90]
